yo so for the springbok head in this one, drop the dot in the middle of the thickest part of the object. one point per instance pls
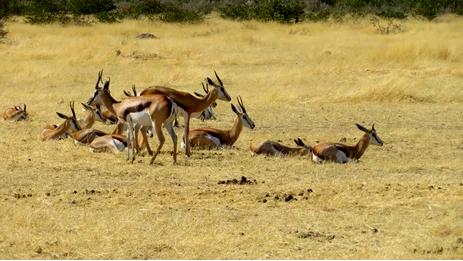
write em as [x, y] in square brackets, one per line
[208, 113]
[128, 94]
[374, 139]
[71, 121]
[301, 144]
[242, 114]
[21, 112]
[222, 93]
[100, 92]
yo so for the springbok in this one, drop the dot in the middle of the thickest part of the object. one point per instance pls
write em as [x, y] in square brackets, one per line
[105, 117]
[189, 105]
[272, 148]
[89, 119]
[67, 128]
[15, 113]
[144, 111]
[113, 142]
[213, 138]
[341, 153]
[207, 114]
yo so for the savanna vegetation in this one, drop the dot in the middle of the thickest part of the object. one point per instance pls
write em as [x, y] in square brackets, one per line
[312, 80]
[77, 11]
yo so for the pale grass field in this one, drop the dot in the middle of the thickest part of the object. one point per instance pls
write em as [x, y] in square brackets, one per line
[310, 80]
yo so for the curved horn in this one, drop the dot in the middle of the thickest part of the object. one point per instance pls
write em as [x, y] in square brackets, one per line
[134, 90]
[100, 74]
[240, 102]
[220, 81]
[71, 104]
[205, 88]
[24, 107]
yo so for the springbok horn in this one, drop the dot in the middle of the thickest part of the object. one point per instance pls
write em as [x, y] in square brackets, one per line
[240, 102]
[134, 90]
[100, 74]
[220, 81]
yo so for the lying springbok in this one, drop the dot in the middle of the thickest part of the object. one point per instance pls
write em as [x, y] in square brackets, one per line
[214, 138]
[89, 119]
[341, 153]
[15, 113]
[189, 105]
[67, 128]
[113, 142]
[272, 148]
[144, 111]
[105, 117]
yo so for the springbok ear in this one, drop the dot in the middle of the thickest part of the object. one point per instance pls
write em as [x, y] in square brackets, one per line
[234, 109]
[209, 81]
[361, 127]
[87, 107]
[198, 94]
[128, 94]
[106, 85]
[62, 116]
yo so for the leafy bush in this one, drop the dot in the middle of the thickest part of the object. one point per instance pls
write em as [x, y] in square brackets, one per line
[176, 12]
[265, 10]
[3, 32]
[86, 7]
[285, 11]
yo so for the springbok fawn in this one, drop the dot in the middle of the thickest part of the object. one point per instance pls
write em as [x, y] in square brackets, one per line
[188, 104]
[67, 128]
[214, 138]
[143, 111]
[341, 153]
[15, 113]
[272, 148]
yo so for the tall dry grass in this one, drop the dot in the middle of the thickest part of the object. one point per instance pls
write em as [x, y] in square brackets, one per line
[309, 80]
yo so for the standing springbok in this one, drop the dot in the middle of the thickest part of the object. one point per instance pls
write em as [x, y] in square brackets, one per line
[272, 148]
[207, 114]
[189, 105]
[15, 113]
[213, 138]
[67, 128]
[341, 153]
[144, 111]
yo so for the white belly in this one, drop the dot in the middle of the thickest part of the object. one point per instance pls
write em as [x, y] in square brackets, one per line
[215, 140]
[118, 145]
[316, 159]
[142, 117]
[341, 157]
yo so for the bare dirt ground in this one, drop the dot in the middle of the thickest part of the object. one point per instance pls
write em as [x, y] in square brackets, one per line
[313, 81]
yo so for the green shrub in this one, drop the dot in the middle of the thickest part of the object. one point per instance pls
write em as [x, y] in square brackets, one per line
[176, 12]
[107, 17]
[86, 7]
[237, 10]
[265, 10]
[3, 31]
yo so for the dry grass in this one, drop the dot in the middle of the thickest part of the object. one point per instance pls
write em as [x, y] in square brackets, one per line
[311, 80]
